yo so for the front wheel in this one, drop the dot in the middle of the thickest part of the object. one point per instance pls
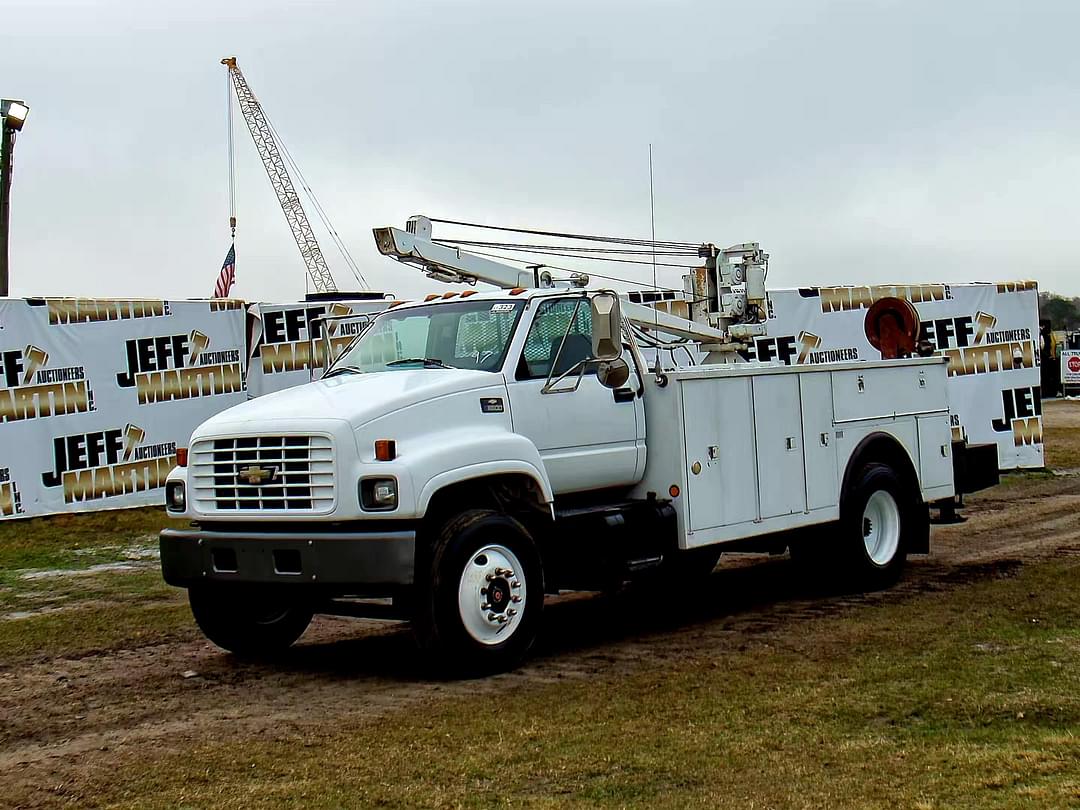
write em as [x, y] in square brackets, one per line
[483, 593]
[251, 624]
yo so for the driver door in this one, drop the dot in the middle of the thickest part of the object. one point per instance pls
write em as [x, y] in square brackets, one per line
[589, 438]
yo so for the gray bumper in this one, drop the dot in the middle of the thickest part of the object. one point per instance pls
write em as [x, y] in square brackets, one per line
[191, 556]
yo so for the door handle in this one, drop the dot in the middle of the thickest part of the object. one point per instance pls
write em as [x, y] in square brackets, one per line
[623, 394]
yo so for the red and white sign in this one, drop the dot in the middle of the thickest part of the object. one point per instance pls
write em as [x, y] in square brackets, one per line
[1070, 368]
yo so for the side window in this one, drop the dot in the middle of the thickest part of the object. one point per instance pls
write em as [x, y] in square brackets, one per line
[546, 333]
[482, 337]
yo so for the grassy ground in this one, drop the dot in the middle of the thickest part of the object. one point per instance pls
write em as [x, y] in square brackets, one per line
[70, 584]
[969, 697]
[1061, 433]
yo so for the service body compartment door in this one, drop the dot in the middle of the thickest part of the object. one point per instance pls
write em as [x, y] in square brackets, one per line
[819, 448]
[779, 434]
[718, 419]
[886, 391]
[935, 451]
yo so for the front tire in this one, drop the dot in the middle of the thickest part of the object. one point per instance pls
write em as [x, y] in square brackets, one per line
[483, 595]
[880, 516]
[247, 623]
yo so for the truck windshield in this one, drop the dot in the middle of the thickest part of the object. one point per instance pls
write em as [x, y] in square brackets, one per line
[462, 334]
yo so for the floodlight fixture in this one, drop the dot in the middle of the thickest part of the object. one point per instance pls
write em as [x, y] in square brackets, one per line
[14, 113]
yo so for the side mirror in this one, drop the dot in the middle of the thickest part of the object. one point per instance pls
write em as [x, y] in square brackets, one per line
[606, 326]
[613, 373]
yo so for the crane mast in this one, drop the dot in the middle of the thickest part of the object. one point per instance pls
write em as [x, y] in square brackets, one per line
[270, 154]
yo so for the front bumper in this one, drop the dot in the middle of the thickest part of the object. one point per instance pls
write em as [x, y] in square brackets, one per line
[193, 556]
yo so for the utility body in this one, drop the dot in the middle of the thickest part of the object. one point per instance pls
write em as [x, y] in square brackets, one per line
[467, 455]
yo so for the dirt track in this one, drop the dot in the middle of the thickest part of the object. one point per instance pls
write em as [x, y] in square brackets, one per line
[61, 716]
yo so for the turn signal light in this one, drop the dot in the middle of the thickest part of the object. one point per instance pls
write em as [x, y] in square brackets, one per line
[181, 456]
[385, 450]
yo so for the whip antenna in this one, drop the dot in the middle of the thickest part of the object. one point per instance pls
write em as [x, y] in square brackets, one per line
[652, 220]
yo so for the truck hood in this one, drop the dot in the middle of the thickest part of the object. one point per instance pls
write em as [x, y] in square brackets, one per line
[353, 398]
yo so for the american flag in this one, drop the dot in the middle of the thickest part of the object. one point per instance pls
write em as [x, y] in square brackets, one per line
[227, 275]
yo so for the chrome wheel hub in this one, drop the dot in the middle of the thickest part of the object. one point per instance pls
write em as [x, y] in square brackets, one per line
[492, 594]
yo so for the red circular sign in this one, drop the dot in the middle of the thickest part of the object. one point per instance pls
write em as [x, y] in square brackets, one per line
[1074, 364]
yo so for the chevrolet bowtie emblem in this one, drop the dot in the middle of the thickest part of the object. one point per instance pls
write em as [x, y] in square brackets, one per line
[255, 475]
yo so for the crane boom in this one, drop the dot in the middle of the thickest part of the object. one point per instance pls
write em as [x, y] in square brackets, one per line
[272, 161]
[453, 265]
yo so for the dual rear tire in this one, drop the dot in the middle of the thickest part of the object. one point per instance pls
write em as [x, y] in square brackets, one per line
[882, 518]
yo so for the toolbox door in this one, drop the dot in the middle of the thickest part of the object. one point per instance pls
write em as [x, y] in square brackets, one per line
[721, 479]
[779, 434]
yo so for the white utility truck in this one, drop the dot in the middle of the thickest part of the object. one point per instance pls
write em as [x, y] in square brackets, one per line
[470, 453]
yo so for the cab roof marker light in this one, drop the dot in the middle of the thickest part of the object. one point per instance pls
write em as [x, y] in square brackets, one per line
[449, 295]
[431, 297]
[467, 293]
[517, 291]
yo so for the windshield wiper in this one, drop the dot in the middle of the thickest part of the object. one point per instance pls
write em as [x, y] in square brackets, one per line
[426, 362]
[343, 370]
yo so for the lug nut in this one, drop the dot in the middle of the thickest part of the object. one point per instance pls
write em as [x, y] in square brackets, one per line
[485, 606]
[515, 599]
[492, 617]
[511, 612]
[515, 584]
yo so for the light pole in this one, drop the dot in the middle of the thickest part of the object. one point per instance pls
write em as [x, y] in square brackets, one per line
[12, 116]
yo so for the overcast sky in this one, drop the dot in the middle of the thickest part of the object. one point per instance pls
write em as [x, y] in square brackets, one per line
[859, 142]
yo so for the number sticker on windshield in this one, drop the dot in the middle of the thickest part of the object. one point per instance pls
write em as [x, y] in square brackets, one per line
[502, 306]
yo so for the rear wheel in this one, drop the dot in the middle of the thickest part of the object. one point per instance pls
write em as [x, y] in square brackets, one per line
[483, 593]
[880, 516]
[248, 623]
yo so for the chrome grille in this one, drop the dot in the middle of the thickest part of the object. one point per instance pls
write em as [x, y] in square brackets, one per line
[263, 473]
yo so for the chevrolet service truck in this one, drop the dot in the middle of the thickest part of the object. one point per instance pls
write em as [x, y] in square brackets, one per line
[468, 454]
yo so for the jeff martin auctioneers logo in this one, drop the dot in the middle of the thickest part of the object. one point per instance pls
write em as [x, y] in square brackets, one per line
[106, 463]
[170, 367]
[30, 390]
[287, 333]
[94, 310]
[975, 345]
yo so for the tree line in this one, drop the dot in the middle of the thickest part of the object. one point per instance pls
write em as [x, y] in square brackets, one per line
[1064, 313]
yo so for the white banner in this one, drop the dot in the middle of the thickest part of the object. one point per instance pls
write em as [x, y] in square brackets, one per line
[97, 394]
[988, 332]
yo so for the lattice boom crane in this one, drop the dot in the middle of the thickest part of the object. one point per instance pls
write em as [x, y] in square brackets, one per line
[274, 163]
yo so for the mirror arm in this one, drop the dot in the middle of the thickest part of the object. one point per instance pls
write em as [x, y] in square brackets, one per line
[638, 361]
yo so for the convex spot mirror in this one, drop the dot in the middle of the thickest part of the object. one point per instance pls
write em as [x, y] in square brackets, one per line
[613, 373]
[606, 326]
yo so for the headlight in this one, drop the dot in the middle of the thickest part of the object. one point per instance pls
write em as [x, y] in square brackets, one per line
[175, 499]
[378, 494]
